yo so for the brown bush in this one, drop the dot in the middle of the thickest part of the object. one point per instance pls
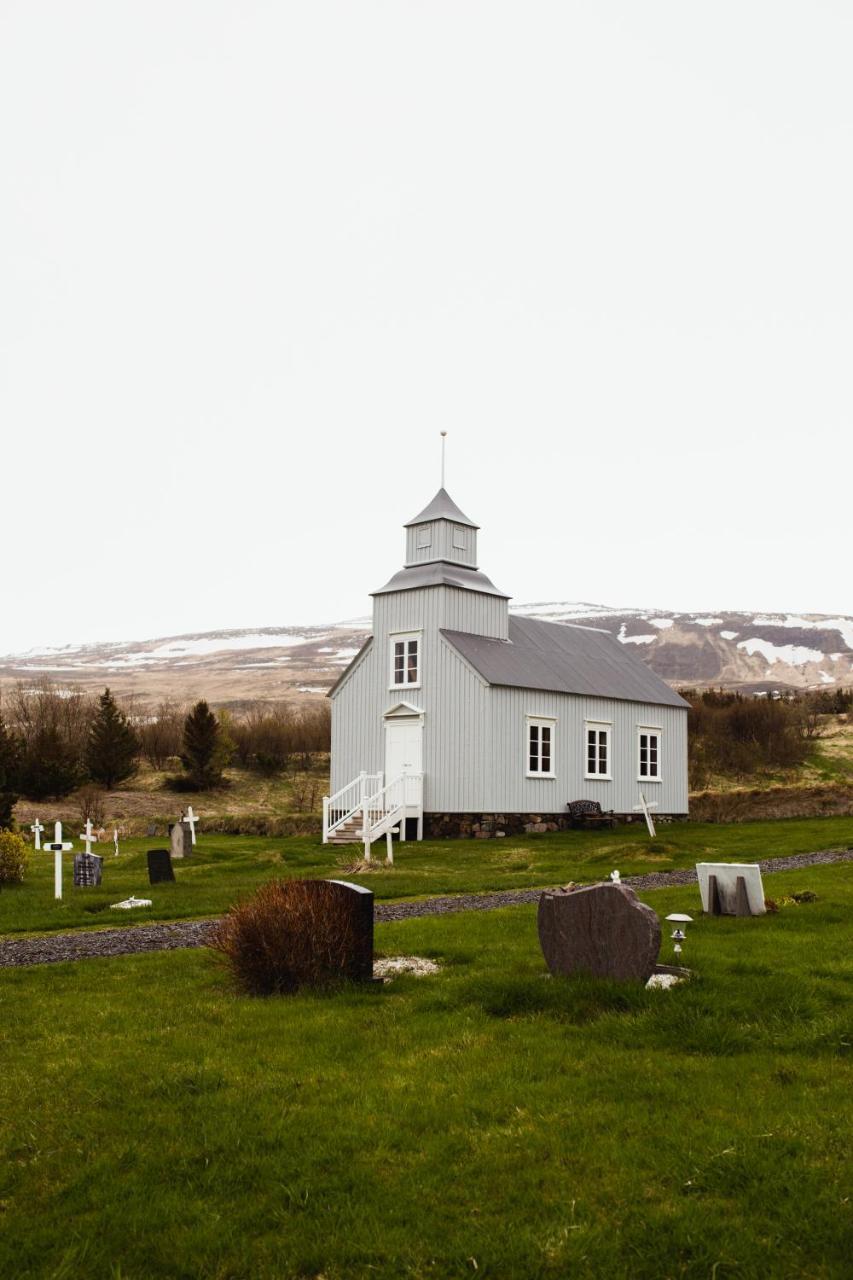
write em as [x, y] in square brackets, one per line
[291, 933]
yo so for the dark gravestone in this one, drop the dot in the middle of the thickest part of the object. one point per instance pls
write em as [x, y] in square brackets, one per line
[160, 866]
[603, 930]
[355, 905]
[180, 839]
[88, 870]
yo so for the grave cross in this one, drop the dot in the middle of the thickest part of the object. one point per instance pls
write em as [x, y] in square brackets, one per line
[88, 835]
[115, 839]
[37, 828]
[58, 846]
[645, 806]
[191, 818]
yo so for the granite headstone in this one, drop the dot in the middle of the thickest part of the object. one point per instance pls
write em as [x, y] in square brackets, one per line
[602, 930]
[88, 870]
[180, 839]
[160, 866]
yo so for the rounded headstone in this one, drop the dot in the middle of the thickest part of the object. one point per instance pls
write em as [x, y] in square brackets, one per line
[602, 930]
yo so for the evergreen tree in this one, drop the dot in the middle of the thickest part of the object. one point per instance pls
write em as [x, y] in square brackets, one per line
[202, 756]
[113, 747]
[10, 762]
[49, 766]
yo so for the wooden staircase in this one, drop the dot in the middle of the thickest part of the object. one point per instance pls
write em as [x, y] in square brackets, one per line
[368, 808]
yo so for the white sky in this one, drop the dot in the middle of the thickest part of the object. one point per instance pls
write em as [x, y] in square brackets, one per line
[254, 256]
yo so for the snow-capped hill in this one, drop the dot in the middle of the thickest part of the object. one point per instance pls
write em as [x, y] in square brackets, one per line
[750, 651]
[745, 650]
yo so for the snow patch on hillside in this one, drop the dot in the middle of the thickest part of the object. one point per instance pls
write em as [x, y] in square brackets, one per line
[794, 654]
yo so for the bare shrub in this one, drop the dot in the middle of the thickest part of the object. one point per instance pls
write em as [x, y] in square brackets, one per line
[291, 933]
[264, 739]
[90, 804]
[313, 732]
[305, 793]
[161, 734]
[52, 726]
[14, 855]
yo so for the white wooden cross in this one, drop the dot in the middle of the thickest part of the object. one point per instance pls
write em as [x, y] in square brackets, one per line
[38, 829]
[88, 835]
[192, 819]
[115, 839]
[645, 806]
[58, 846]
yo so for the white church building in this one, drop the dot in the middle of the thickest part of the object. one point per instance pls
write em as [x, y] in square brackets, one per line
[457, 716]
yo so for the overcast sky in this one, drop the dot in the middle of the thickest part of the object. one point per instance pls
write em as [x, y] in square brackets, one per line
[255, 256]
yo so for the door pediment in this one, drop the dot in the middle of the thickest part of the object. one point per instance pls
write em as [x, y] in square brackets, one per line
[402, 711]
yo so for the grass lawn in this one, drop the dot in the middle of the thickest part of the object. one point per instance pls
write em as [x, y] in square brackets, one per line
[225, 868]
[488, 1121]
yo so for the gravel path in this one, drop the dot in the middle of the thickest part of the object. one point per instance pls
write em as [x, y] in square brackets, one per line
[93, 943]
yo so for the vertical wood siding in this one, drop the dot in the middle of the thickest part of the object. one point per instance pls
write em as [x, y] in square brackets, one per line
[474, 735]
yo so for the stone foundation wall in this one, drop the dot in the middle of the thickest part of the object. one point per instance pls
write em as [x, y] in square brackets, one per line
[482, 826]
[486, 826]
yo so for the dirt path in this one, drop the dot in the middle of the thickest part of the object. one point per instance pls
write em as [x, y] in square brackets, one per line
[95, 943]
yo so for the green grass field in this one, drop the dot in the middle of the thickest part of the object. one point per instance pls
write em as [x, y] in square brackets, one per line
[226, 868]
[488, 1121]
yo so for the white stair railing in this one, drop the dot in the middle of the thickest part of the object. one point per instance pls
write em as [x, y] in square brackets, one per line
[337, 809]
[391, 803]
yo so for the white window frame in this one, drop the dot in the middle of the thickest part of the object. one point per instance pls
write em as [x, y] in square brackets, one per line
[423, 537]
[654, 730]
[405, 638]
[540, 722]
[605, 726]
[459, 539]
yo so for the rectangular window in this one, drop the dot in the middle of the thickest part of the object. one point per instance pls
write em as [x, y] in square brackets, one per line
[425, 536]
[540, 747]
[458, 538]
[648, 754]
[405, 661]
[597, 750]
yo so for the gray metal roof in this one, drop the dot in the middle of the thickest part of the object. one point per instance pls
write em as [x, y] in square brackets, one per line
[442, 507]
[440, 573]
[562, 658]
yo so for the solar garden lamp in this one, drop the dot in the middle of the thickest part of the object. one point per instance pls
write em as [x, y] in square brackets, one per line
[678, 934]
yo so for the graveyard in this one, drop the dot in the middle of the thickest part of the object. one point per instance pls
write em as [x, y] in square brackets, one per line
[486, 1120]
[223, 869]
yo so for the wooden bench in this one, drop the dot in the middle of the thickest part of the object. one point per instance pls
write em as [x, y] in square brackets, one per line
[588, 813]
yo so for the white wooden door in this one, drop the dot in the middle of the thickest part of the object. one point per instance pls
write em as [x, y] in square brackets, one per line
[403, 748]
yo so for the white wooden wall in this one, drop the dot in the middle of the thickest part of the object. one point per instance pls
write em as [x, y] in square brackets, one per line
[474, 744]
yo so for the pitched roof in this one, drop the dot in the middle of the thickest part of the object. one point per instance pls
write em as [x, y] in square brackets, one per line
[348, 668]
[442, 507]
[562, 658]
[440, 573]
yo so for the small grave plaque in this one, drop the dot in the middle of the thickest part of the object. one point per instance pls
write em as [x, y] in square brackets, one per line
[731, 888]
[180, 840]
[151, 830]
[88, 870]
[602, 929]
[160, 866]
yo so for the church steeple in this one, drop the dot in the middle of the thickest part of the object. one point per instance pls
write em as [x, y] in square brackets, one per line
[441, 532]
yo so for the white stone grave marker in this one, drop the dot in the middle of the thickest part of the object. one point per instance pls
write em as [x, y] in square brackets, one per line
[731, 888]
[58, 846]
[191, 819]
[89, 836]
[645, 806]
[115, 839]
